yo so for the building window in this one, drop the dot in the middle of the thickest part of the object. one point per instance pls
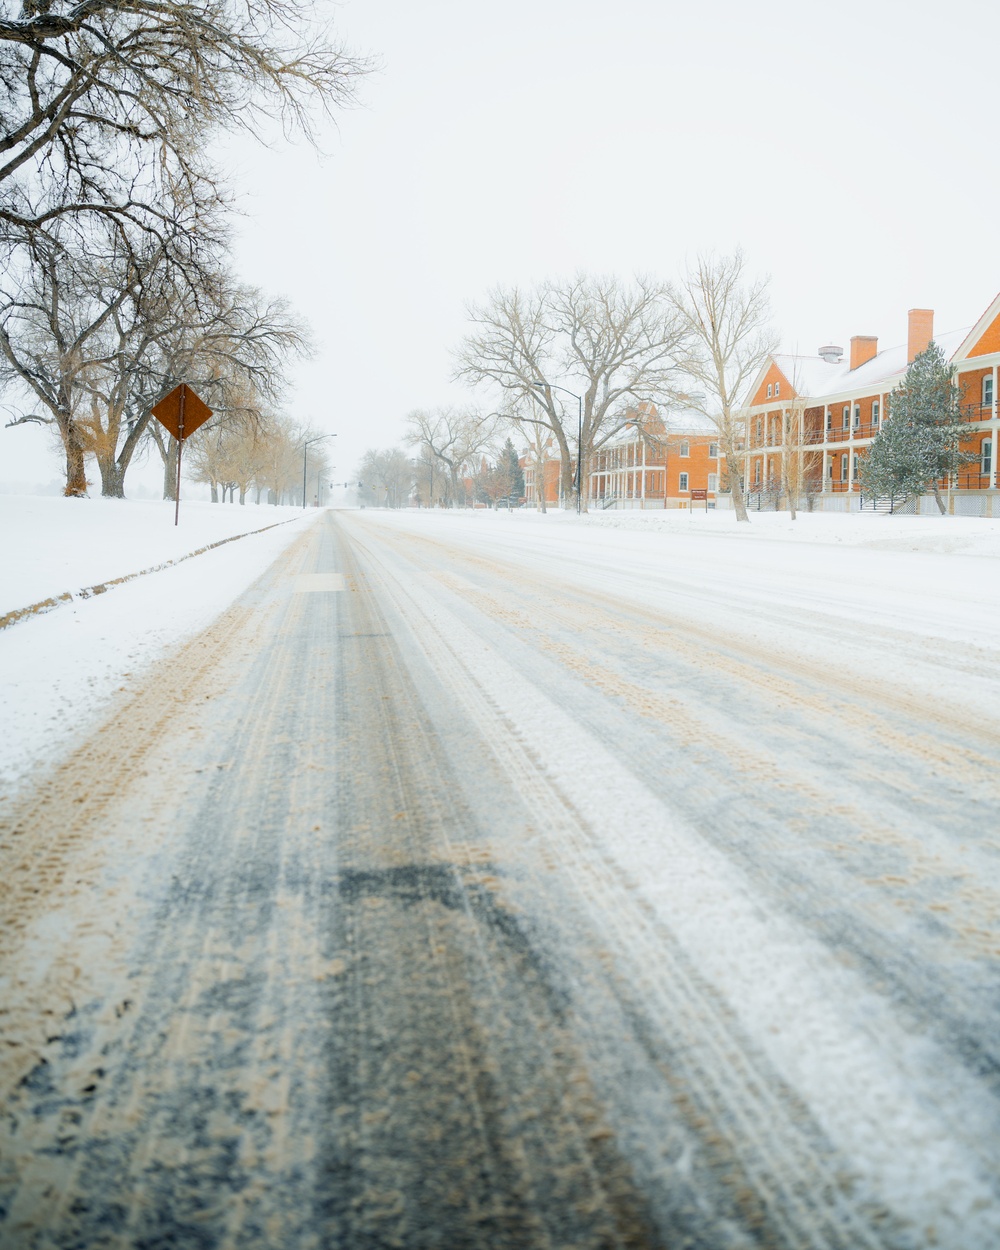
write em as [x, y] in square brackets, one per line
[713, 482]
[855, 466]
[685, 449]
[986, 457]
[756, 472]
[777, 389]
[683, 484]
[847, 416]
[769, 390]
[874, 412]
[843, 468]
[759, 428]
[857, 415]
[713, 451]
[829, 419]
[988, 392]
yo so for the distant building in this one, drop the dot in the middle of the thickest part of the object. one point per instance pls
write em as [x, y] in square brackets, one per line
[541, 464]
[648, 464]
[826, 411]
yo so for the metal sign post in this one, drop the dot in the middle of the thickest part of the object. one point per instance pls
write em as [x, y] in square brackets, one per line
[180, 413]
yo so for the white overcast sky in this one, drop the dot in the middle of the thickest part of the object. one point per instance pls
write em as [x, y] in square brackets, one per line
[851, 150]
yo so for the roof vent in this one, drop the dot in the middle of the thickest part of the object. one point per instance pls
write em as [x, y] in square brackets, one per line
[831, 354]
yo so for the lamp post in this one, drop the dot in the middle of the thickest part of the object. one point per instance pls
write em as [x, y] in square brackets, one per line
[547, 386]
[305, 456]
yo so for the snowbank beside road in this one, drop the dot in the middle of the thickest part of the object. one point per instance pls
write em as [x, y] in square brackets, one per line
[957, 535]
[54, 546]
[59, 671]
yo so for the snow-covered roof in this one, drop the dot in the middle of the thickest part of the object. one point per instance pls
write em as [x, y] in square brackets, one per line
[814, 378]
[676, 420]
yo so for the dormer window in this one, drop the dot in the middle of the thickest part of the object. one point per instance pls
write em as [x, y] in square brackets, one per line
[769, 390]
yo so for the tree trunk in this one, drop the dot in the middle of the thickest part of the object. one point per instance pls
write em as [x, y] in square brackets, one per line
[732, 472]
[112, 478]
[76, 476]
[938, 500]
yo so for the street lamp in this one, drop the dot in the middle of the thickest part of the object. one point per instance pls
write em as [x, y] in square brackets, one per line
[547, 386]
[305, 456]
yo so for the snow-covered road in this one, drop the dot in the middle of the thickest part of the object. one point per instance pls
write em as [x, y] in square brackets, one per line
[507, 881]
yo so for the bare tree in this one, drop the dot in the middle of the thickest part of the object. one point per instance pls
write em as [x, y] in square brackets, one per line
[453, 437]
[233, 345]
[97, 338]
[728, 320]
[108, 103]
[386, 477]
[281, 474]
[52, 313]
[614, 343]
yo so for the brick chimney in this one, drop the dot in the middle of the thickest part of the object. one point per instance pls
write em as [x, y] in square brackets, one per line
[920, 332]
[863, 348]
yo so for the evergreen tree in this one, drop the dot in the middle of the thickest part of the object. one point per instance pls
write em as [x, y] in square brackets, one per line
[509, 461]
[920, 443]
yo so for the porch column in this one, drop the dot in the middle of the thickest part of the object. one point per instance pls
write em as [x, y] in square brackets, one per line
[994, 437]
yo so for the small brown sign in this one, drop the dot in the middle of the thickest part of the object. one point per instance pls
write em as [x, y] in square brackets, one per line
[181, 412]
[699, 494]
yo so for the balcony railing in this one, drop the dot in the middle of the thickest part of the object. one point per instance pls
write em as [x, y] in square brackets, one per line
[977, 412]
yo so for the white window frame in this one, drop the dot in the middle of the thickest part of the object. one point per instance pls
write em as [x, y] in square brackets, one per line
[713, 482]
[857, 415]
[986, 457]
[846, 417]
[682, 483]
[988, 390]
[875, 411]
[769, 390]
[713, 451]
[777, 389]
[843, 466]
[684, 449]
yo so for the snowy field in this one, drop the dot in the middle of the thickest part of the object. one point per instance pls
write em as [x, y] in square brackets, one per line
[60, 669]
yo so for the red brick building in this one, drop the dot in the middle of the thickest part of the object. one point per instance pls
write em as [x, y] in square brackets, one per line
[825, 412]
[650, 465]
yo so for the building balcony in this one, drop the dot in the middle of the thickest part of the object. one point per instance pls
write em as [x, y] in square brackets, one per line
[977, 412]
